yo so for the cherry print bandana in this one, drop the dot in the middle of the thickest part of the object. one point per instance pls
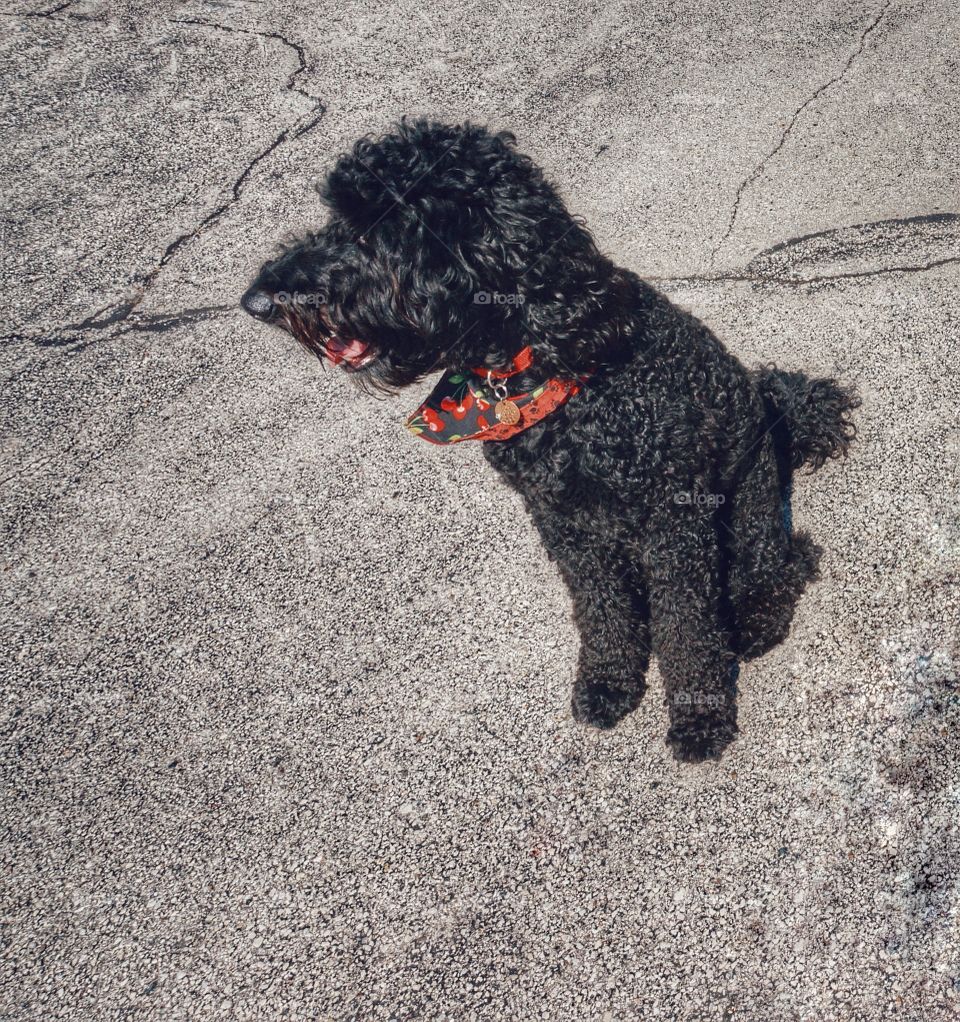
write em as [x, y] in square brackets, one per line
[463, 404]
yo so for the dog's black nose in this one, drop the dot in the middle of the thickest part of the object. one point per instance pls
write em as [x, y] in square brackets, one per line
[259, 304]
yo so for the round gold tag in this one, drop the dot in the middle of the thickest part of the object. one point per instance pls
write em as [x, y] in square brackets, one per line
[507, 412]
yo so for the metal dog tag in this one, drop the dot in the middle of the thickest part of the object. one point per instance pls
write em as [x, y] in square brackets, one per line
[506, 412]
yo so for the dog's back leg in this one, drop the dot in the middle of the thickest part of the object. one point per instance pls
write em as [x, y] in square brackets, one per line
[610, 612]
[681, 561]
[767, 567]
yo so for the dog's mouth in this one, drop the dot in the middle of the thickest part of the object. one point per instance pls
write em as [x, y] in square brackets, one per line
[355, 353]
[317, 333]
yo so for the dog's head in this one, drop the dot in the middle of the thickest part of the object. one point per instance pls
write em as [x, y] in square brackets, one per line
[445, 249]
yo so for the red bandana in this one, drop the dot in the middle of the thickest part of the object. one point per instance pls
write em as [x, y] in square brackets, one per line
[475, 405]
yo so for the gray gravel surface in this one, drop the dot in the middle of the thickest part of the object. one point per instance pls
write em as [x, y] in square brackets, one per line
[285, 726]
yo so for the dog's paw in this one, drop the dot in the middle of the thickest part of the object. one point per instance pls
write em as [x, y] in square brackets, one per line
[700, 738]
[601, 705]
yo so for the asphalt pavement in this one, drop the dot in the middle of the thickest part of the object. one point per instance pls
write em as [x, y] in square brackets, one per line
[285, 691]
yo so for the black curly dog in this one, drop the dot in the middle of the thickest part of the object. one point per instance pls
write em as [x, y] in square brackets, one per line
[659, 489]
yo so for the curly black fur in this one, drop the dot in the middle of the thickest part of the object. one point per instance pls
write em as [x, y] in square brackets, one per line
[659, 488]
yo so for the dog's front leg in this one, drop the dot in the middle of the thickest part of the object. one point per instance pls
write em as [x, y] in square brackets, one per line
[681, 560]
[611, 615]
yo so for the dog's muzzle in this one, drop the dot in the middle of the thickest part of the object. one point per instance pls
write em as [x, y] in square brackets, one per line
[354, 353]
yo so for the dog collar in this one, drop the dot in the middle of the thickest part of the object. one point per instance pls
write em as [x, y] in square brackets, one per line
[476, 404]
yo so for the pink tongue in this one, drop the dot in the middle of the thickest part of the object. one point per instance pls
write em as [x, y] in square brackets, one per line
[345, 351]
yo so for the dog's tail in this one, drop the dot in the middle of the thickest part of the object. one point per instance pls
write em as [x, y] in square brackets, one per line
[811, 419]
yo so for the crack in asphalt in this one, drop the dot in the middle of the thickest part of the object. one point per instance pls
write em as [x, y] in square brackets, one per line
[53, 12]
[46, 14]
[780, 281]
[155, 323]
[761, 166]
[302, 64]
[163, 322]
[120, 311]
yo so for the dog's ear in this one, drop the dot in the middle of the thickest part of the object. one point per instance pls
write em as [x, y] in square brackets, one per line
[421, 170]
[483, 255]
[572, 302]
[540, 268]
[419, 202]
